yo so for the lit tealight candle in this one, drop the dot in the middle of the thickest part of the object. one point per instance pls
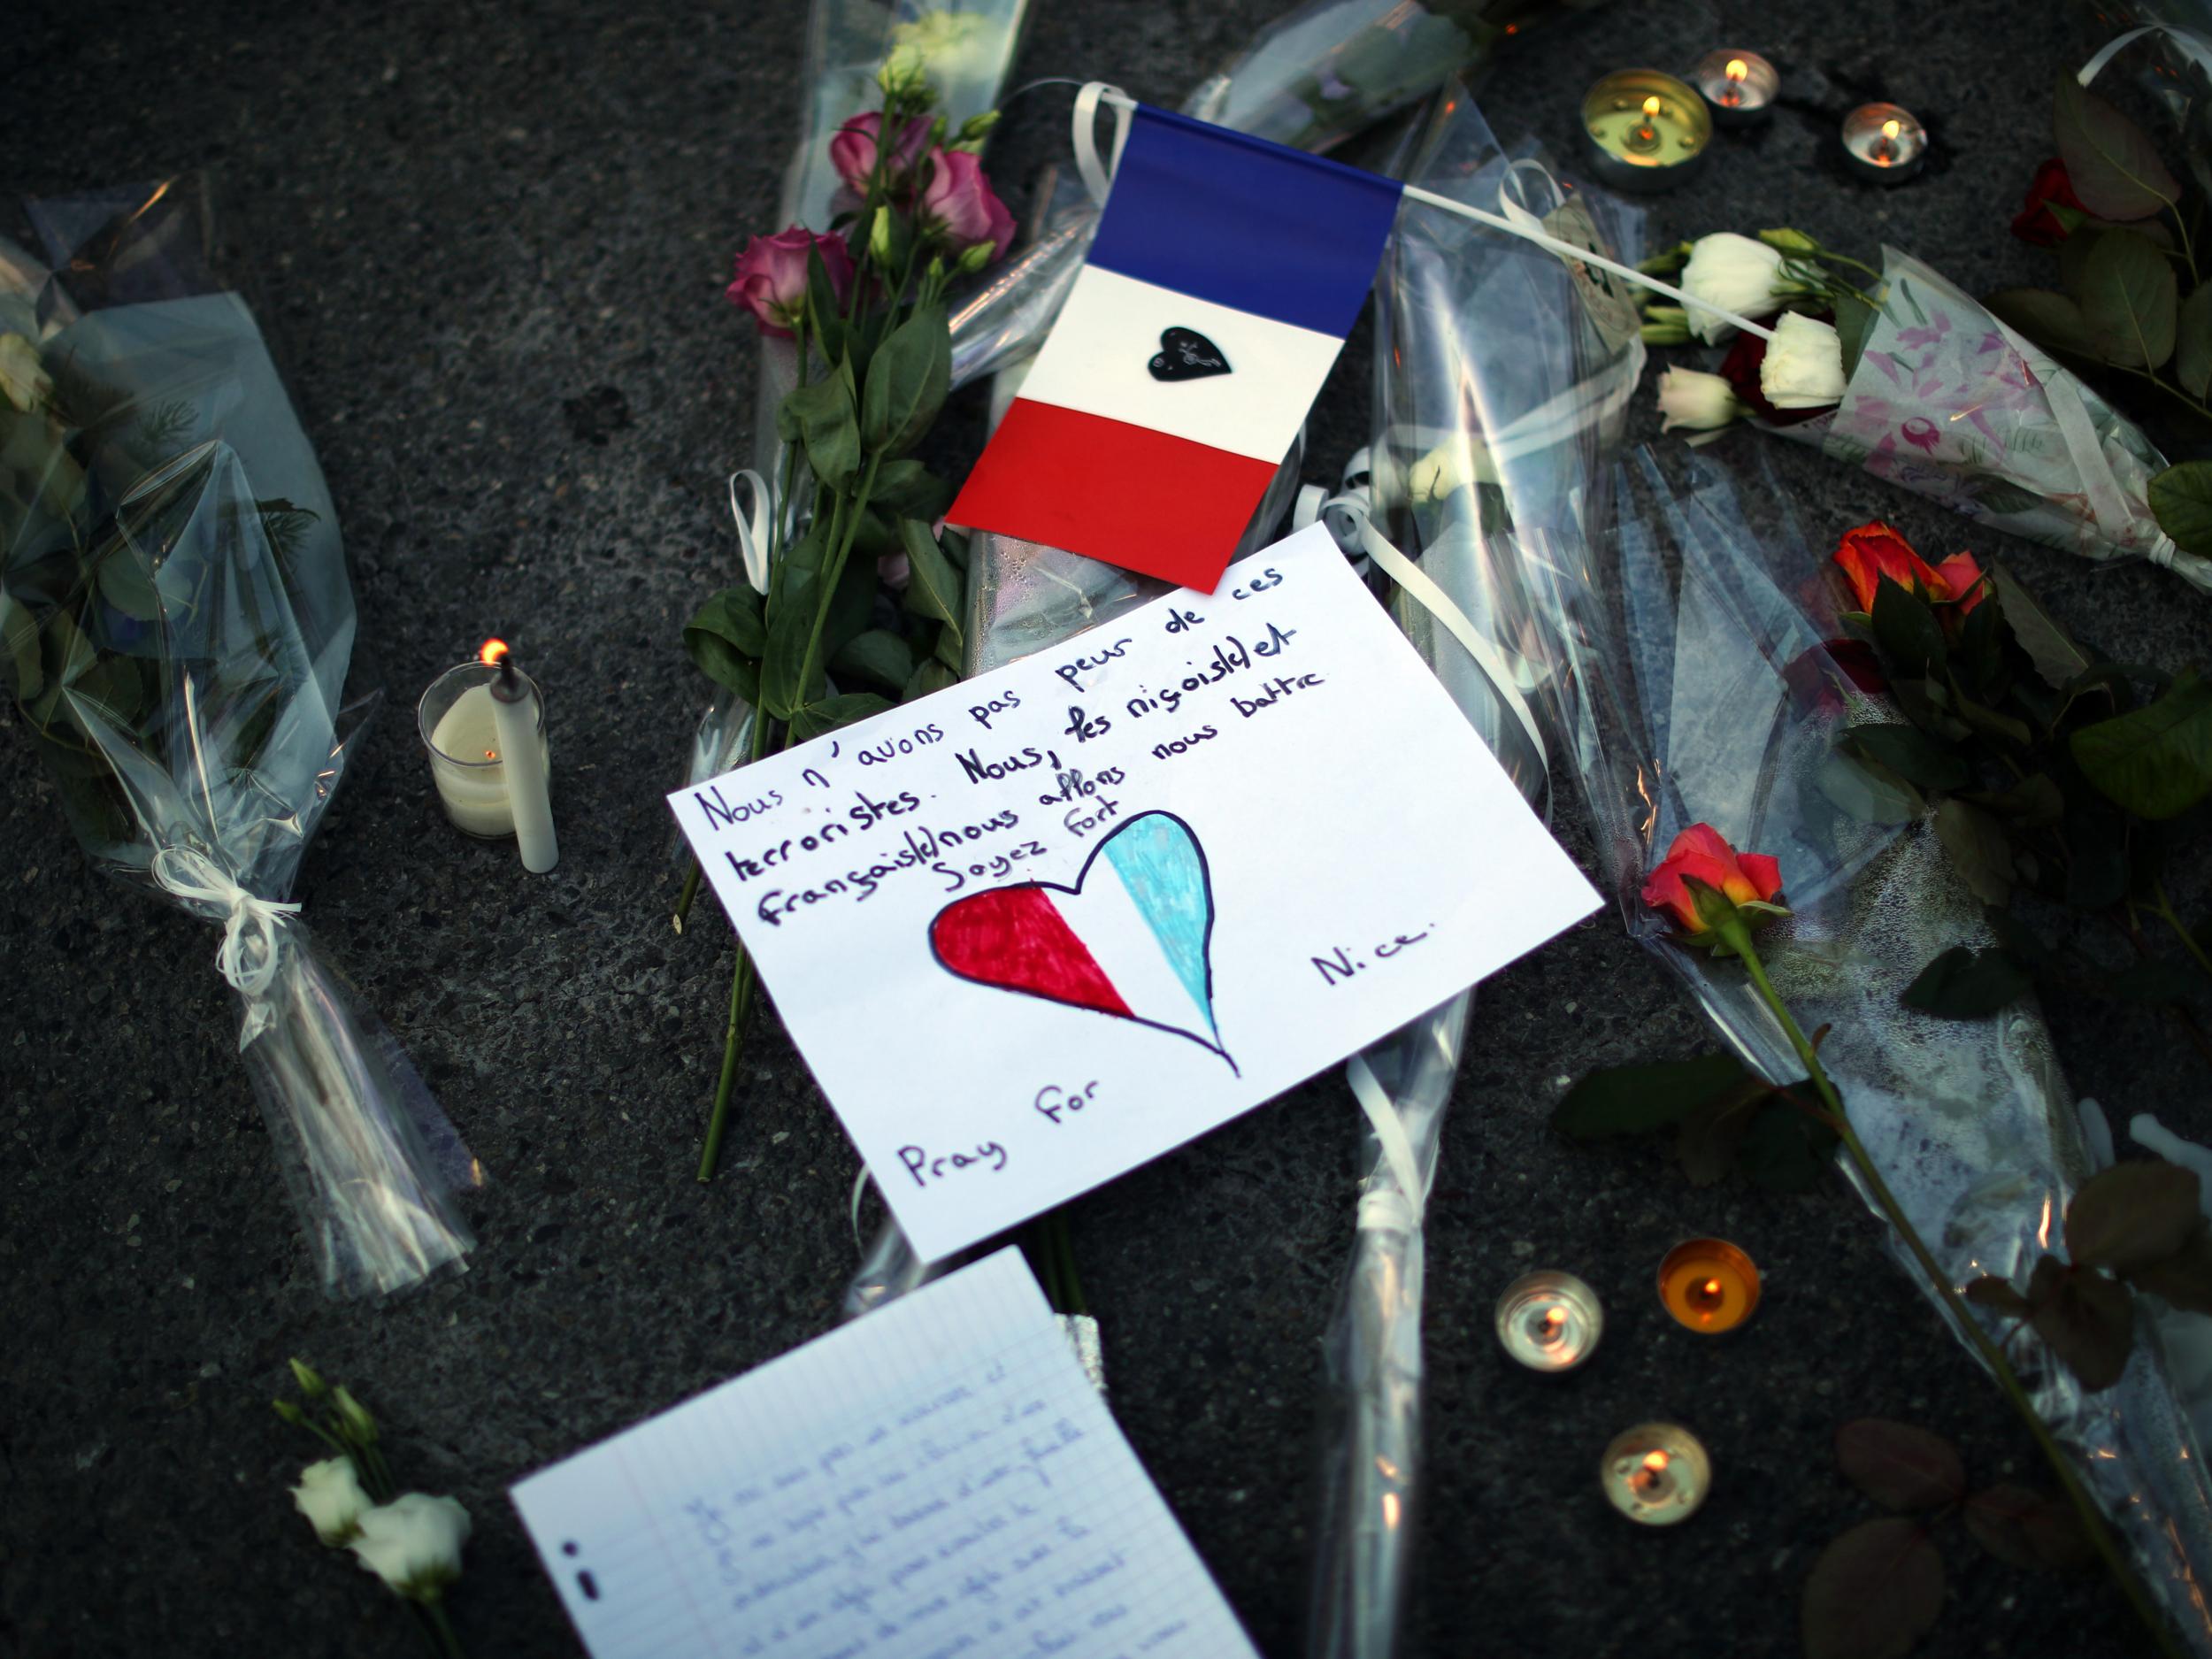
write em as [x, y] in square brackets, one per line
[1885, 143]
[1656, 1473]
[1644, 131]
[1740, 85]
[1549, 1321]
[1708, 1285]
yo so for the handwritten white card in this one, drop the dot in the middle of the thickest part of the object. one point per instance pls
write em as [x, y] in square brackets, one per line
[938, 1478]
[1052, 922]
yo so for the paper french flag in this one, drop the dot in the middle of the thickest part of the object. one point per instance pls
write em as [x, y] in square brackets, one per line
[1225, 276]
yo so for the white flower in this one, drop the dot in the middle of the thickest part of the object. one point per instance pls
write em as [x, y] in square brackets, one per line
[23, 377]
[1804, 365]
[329, 1495]
[948, 48]
[413, 1543]
[1700, 401]
[1735, 274]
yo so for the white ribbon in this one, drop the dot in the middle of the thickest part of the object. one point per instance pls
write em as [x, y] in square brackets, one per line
[1401, 1211]
[1515, 220]
[2191, 46]
[248, 957]
[754, 530]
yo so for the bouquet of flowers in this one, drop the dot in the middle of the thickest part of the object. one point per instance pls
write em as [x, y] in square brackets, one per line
[1723, 734]
[178, 624]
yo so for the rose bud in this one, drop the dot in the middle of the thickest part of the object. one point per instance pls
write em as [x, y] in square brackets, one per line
[852, 149]
[1702, 402]
[2052, 210]
[329, 1495]
[958, 207]
[1874, 553]
[771, 276]
[1735, 274]
[413, 1543]
[1803, 367]
[1704, 884]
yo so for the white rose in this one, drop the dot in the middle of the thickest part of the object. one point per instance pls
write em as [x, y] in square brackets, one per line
[1804, 365]
[1700, 401]
[413, 1543]
[1735, 274]
[329, 1495]
[23, 377]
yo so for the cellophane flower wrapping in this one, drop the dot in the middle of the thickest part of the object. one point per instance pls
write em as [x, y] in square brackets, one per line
[2170, 70]
[1501, 377]
[1951, 403]
[178, 623]
[1689, 670]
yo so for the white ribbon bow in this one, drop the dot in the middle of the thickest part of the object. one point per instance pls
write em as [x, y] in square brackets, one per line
[754, 529]
[248, 956]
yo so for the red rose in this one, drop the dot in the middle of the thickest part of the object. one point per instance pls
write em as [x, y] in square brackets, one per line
[958, 205]
[1874, 553]
[771, 276]
[853, 149]
[2037, 222]
[1702, 853]
[1740, 369]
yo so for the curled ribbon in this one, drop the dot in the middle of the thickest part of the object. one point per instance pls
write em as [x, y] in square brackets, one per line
[753, 529]
[1401, 1210]
[248, 956]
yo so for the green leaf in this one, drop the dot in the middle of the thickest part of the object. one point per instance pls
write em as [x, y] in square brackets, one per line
[2057, 659]
[852, 606]
[19, 633]
[2181, 500]
[2034, 802]
[1899, 1466]
[1874, 1592]
[1979, 850]
[2026, 1529]
[1987, 722]
[2193, 354]
[930, 676]
[1869, 792]
[732, 617]
[2111, 162]
[906, 488]
[126, 582]
[1967, 984]
[2047, 318]
[1628, 1099]
[1785, 1150]
[2156, 761]
[933, 588]
[1911, 755]
[828, 327]
[907, 382]
[795, 595]
[821, 415]
[1854, 323]
[2073, 263]
[816, 718]
[2087, 1319]
[2184, 1279]
[2133, 1215]
[2128, 299]
[877, 655]
[1906, 629]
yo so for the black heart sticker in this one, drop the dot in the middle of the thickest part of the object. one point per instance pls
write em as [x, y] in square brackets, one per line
[1187, 355]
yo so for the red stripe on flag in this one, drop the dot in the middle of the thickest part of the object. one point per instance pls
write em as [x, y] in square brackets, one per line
[1016, 939]
[1131, 496]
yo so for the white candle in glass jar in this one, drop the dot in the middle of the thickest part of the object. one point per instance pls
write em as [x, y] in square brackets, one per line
[517, 717]
[458, 723]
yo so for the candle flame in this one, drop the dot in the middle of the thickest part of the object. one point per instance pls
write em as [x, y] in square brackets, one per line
[495, 652]
[1651, 105]
[1737, 69]
[1892, 127]
[1656, 1462]
[1712, 1287]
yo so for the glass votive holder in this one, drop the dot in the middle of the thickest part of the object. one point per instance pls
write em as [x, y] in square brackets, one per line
[1739, 85]
[459, 730]
[1884, 142]
[1708, 1285]
[1656, 1473]
[1549, 1320]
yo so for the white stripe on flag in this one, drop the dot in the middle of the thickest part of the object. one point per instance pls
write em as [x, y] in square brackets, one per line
[1095, 359]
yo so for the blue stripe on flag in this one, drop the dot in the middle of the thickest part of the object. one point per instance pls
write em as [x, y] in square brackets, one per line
[1242, 222]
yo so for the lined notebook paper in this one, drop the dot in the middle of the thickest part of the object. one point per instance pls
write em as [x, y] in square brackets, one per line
[936, 1479]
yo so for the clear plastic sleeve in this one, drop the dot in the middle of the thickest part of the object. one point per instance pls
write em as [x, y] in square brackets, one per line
[179, 624]
[1690, 671]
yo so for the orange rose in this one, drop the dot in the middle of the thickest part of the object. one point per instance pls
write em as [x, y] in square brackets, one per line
[1874, 552]
[1702, 853]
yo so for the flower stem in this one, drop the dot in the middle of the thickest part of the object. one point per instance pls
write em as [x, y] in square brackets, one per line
[1064, 1241]
[833, 572]
[1739, 936]
[448, 1643]
[684, 899]
[733, 1044]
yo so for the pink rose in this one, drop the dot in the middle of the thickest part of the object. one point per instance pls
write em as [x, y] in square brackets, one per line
[958, 206]
[771, 276]
[853, 148]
